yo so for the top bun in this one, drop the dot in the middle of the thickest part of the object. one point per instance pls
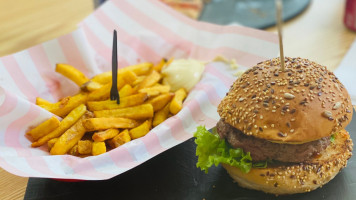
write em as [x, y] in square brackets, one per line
[304, 103]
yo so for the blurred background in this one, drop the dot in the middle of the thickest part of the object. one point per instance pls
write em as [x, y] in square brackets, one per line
[26, 23]
[313, 29]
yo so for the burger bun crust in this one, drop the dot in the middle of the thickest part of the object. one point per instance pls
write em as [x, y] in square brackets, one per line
[304, 103]
[298, 178]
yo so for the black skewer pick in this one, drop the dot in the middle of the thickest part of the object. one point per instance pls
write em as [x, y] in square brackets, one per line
[114, 94]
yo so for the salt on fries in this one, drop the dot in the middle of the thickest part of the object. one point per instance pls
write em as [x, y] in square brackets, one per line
[93, 124]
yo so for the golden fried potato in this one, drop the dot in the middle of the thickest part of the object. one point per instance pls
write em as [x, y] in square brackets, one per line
[143, 111]
[44, 128]
[42, 102]
[85, 147]
[160, 101]
[90, 86]
[141, 130]
[139, 69]
[161, 115]
[155, 90]
[51, 142]
[138, 80]
[125, 91]
[150, 80]
[96, 124]
[177, 101]
[74, 151]
[71, 137]
[65, 124]
[103, 93]
[65, 105]
[72, 73]
[160, 65]
[120, 139]
[105, 135]
[98, 148]
[128, 101]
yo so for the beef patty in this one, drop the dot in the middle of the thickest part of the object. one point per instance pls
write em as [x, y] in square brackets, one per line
[261, 150]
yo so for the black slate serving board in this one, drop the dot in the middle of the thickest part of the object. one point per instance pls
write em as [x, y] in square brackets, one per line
[173, 175]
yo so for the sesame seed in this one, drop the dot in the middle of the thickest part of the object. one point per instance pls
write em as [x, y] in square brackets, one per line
[327, 114]
[280, 134]
[288, 96]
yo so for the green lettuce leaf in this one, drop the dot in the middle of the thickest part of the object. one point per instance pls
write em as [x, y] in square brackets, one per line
[332, 138]
[213, 150]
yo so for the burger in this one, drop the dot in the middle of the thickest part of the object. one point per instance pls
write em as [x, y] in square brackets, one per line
[281, 131]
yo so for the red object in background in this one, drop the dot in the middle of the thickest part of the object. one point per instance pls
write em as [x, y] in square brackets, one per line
[350, 14]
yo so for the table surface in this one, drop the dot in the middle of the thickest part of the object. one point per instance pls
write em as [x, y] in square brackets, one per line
[317, 34]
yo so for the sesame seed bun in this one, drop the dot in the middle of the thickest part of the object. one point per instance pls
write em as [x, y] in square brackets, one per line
[304, 103]
[298, 178]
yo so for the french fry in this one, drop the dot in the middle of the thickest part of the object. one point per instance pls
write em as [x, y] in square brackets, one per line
[177, 101]
[138, 80]
[90, 86]
[160, 65]
[103, 93]
[144, 102]
[143, 111]
[124, 74]
[51, 107]
[125, 91]
[85, 147]
[51, 142]
[128, 101]
[120, 139]
[65, 124]
[105, 135]
[161, 115]
[72, 73]
[150, 80]
[141, 130]
[70, 103]
[160, 101]
[139, 69]
[155, 90]
[65, 105]
[70, 137]
[128, 77]
[98, 148]
[74, 151]
[96, 124]
[42, 102]
[44, 128]
[102, 78]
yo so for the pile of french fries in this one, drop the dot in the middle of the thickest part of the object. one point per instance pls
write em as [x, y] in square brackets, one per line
[93, 124]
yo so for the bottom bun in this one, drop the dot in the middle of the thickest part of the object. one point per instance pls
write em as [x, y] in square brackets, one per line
[294, 178]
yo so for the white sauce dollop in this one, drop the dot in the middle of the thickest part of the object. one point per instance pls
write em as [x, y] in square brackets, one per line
[183, 73]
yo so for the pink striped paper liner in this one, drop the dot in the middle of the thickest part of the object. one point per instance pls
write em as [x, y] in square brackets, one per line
[204, 53]
[9, 103]
[20, 79]
[145, 52]
[200, 105]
